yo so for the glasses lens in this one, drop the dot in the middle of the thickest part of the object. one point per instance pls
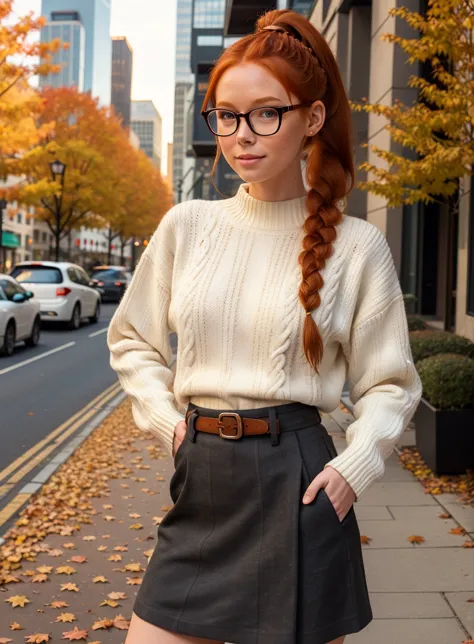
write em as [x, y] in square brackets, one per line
[222, 122]
[264, 120]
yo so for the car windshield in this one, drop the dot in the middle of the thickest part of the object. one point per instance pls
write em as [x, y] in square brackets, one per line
[110, 274]
[37, 274]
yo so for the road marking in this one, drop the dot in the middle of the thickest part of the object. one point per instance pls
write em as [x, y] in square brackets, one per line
[42, 355]
[91, 335]
[14, 505]
[24, 457]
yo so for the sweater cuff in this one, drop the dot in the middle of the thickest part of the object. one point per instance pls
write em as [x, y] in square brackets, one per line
[359, 464]
[163, 423]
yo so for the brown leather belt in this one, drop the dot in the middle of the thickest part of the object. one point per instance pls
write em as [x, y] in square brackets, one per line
[233, 424]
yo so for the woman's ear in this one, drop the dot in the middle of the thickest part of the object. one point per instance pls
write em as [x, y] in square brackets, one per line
[317, 116]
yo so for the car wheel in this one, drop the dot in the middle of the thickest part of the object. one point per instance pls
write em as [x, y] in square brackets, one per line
[9, 340]
[33, 340]
[75, 321]
[95, 318]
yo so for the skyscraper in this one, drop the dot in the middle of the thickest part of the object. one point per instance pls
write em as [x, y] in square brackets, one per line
[67, 26]
[94, 16]
[147, 125]
[183, 83]
[122, 62]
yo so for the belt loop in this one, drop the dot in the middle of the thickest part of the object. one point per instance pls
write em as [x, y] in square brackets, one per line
[191, 428]
[273, 426]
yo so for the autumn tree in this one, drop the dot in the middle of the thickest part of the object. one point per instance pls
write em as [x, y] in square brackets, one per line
[436, 132]
[81, 135]
[20, 59]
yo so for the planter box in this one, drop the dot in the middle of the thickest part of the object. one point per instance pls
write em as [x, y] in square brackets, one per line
[445, 439]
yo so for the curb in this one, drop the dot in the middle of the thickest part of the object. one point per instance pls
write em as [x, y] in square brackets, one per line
[37, 482]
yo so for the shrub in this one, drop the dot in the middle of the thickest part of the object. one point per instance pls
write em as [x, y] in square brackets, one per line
[416, 323]
[448, 381]
[429, 343]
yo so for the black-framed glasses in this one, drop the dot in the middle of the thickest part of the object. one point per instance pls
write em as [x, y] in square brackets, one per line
[263, 121]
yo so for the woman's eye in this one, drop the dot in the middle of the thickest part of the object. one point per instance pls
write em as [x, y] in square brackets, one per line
[226, 116]
[268, 114]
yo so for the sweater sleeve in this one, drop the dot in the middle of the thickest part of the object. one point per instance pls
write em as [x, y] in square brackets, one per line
[384, 385]
[138, 338]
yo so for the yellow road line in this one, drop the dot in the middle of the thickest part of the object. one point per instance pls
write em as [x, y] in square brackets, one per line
[24, 457]
[14, 505]
[4, 489]
[31, 464]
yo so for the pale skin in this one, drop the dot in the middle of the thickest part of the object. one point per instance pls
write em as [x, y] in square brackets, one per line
[275, 177]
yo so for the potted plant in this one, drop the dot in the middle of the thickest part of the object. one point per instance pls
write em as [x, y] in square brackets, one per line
[444, 419]
[429, 343]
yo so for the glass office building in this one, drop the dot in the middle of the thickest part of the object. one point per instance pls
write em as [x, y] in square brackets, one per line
[94, 16]
[209, 14]
[69, 29]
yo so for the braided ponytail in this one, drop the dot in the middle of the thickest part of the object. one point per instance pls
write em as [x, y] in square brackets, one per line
[291, 48]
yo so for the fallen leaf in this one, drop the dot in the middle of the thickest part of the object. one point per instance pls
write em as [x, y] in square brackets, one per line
[56, 552]
[70, 586]
[148, 553]
[468, 544]
[157, 520]
[100, 579]
[416, 538]
[109, 517]
[109, 602]
[102, 623]
[445, 515]
[16, 627]
[102, 548]
[121, 548]
[117, 595]
[365, 540]
[65, 570]
[45, 570]
[134, 581]
[134, 515]
[10, 579]
[5, 640]
[78, 559]
[121, 623]
[39, 578]
[136, 526]
[66, 617]
[37, 638]
[18, 600]
[134, 567]
[458, 530]
[89, 537]
[115, 558]
[69, 545]
[58, 604]
[75, 634]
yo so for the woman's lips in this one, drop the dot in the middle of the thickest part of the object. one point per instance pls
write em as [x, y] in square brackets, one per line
[250, 161]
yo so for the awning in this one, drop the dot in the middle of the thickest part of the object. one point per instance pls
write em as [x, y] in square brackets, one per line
[241, 15]
[9, 240]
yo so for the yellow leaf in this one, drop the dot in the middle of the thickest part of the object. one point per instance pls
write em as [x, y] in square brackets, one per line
[18, 600]
[100, 579]
[66, 617]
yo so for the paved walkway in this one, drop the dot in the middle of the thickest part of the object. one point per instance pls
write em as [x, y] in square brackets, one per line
[419, 592]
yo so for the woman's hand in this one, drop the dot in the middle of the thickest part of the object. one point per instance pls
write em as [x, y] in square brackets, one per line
[179, 434]
[339, 491]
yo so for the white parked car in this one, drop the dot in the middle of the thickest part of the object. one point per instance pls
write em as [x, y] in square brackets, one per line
[19, 316]
[64, 291]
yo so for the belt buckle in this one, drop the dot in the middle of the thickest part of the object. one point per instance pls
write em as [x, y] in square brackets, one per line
[239, 428]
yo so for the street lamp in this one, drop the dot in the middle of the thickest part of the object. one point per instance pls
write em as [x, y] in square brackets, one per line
[58, 169]
[181, 182]
[3, 205]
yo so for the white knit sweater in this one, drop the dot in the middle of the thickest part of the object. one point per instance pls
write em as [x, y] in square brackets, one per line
[224, 275]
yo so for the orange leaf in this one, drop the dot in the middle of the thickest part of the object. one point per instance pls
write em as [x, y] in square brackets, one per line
[134, 581]
[468, 544]
[117, 595]
[5, 640]
[109, 602]
[121, 548]
[115, 558]
[44, 570]
[121, 623]
[100, 579]
[133, 567]
[75, 634]
[16, 627]
[136, 526]
[39, 578]
[78, 559]
[416, 538]
[66, 617]
[69, 545]
[57, 604]
[37, 638]
[18, 600]
[365, 540]
[56, 552]
[445, 515]
[65, 570]
[458, 530]
[102, 623]
[70, 586]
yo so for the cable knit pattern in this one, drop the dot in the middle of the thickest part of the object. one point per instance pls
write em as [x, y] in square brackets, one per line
[224, 276]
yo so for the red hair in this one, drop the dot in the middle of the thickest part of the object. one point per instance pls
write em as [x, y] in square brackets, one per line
[301, 60]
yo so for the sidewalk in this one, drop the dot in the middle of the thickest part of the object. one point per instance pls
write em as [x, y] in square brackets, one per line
[85, 538]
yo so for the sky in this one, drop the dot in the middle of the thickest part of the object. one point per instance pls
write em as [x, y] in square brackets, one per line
[150, 28]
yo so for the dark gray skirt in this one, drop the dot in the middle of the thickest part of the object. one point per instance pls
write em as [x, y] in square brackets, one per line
[239, 557]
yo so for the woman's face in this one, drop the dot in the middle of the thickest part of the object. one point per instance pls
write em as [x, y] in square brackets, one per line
[261, 158]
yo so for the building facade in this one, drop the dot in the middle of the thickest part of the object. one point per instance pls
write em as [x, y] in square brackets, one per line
[94, 16]
[67, 26]
[122, 67]
[147, 124]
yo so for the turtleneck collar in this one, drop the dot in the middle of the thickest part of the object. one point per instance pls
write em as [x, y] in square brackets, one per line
[249, 212]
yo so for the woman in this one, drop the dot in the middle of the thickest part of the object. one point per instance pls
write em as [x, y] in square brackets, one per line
[276, 298]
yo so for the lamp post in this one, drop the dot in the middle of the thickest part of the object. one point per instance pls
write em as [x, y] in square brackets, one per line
[3, 205]
[58, 169]
[181, 182]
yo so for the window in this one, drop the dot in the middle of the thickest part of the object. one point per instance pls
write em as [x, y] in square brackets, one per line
[19, 218]
[37, 274]
[10, 288]
[71, 273]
